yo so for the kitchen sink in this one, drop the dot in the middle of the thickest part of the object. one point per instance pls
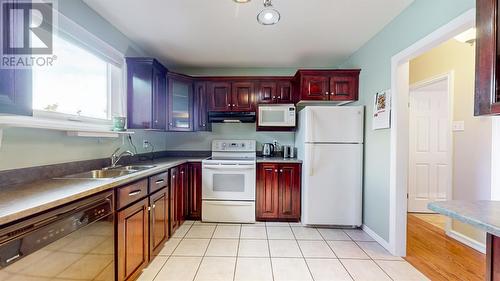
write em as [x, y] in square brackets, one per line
[108, 173]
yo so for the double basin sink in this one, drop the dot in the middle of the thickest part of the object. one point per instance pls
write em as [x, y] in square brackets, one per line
[109, 173]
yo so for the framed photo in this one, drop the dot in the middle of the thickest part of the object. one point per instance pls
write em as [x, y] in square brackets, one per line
[382, 110]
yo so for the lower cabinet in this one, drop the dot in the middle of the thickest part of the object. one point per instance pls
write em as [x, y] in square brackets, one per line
[132, 240]
[158, 221]
[194, 191]
[174, 191]
[278, 192]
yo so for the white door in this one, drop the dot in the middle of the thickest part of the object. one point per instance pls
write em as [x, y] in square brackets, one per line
[332, 184]
[333, 124]
[430, 133]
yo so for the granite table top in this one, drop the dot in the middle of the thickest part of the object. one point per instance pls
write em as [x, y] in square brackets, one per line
[484, 215]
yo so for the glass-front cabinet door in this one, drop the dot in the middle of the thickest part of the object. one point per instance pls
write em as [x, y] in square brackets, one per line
[180, 103]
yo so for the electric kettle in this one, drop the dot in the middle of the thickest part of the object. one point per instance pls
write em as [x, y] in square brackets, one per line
[267, 149]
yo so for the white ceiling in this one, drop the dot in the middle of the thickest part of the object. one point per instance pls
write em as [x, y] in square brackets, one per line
[222, 33]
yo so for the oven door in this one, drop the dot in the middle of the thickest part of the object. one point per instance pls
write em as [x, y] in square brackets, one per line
[276, 116]
[225, 181]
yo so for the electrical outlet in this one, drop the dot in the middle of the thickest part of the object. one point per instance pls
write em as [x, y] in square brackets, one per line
[145, 144]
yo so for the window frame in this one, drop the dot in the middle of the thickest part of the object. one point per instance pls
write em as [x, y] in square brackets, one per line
[116, 94]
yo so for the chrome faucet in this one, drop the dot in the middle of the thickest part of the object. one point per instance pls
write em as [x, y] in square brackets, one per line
[115, 157]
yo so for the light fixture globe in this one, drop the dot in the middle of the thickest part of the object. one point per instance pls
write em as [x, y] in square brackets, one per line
[268, 16]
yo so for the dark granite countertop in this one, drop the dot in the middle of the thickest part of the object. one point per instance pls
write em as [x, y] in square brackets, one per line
[484, 215]
[277, 159]
[20, 201]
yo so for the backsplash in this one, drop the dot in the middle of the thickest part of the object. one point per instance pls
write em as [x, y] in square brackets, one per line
[203, 140]
[21, 148]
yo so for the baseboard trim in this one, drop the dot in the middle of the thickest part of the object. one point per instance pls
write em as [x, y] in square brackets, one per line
[476, 245]
[376, 237]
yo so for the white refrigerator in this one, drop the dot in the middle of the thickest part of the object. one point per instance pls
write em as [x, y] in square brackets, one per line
[329, 140]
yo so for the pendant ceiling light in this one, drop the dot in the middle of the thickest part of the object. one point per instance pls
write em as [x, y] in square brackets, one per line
[269, 15]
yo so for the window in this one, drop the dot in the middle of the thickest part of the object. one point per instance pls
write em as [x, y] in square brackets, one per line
[78, 84]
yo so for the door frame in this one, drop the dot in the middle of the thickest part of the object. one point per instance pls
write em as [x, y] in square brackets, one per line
[449, 78]
[399, 140]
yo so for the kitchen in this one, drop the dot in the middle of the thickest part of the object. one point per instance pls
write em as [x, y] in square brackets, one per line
[178, 156]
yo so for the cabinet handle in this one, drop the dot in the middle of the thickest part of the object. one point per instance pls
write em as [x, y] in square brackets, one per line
[159, 181]
[170, 124]
[281, 171]
[276, 171]
[234, 105]
[229, 105]
[173, 177]
[182, 172]
[156, 121]
[326, 94]
[134, 193]
[149, 208]
[154, 206]
[203, 125]
[274, 97]
[279, 97]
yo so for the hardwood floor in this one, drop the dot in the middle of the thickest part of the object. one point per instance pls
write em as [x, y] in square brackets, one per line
[434, 219]
[440, 257]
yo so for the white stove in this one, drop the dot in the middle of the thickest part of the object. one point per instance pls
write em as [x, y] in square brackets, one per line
[228, 188]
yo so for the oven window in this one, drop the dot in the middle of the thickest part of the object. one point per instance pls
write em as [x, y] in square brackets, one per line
[273, 116]
[229, 183]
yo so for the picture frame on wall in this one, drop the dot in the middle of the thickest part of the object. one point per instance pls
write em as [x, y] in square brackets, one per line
[382, 110]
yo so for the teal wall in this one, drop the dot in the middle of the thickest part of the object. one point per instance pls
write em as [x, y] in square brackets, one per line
[374, 58]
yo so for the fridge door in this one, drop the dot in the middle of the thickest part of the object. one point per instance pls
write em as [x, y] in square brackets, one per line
[332, 184]
[333, 124]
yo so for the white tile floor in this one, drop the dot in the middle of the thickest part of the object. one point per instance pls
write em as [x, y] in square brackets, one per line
[274, 252]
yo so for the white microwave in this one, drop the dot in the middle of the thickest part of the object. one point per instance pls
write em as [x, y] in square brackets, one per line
[277, 115]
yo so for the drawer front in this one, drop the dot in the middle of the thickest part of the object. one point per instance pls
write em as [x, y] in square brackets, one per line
[158, 182]
[131, 193]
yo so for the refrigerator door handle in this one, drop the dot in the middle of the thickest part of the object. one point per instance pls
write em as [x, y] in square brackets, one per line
[310, 160]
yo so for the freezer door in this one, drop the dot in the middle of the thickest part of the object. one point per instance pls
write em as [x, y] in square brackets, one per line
[332, 184]
[333, 124]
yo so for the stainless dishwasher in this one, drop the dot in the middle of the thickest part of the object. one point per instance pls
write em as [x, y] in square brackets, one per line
[72, 242]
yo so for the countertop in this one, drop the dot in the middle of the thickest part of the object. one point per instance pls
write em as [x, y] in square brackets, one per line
[277, 159]
[24, 200]
[484, 215]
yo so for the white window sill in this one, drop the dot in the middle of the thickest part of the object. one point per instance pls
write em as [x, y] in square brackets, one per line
[72, 128]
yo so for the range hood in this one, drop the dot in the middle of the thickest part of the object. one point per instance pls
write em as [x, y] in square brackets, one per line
[231, 117]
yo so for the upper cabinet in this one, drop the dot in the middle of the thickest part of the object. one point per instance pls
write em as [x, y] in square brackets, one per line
[180, 103]
[275, 92]
[487, 96]
[146, 94]
[16, 92]
[231, 96]
[201, 107]
[243, 96]
[328, 85]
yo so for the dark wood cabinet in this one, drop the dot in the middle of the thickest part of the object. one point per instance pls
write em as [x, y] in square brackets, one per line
[267, 192]
[492, 257]
[219, 96]
[182, 195]
[278, 191]
[328, 85]
[201, 107]
[487, 94]
[180, 103]
[146, 94]
[314, 87]
[174, 193]
[289, 191]
[243, 96]
[132, 240]
[194, 191]
[158, 221]
[16, 92]
[269, 92]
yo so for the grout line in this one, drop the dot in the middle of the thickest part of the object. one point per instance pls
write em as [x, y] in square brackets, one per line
[237, 254]
[270, 256]
[303, 257]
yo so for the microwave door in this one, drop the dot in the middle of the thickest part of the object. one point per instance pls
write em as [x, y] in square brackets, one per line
[275, 117]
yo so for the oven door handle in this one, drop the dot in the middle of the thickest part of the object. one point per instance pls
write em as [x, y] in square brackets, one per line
[229, 167]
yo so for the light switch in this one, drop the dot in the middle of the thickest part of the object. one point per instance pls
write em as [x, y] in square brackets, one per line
[458, 126]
